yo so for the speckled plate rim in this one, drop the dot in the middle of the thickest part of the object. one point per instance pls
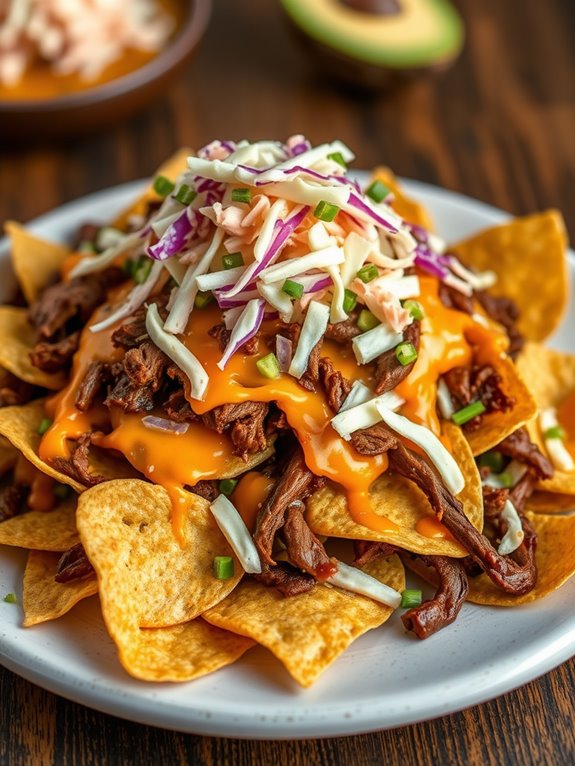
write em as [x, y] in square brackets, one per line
[385, 680]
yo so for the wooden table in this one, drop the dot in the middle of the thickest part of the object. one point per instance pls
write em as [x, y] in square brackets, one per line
[499, 126]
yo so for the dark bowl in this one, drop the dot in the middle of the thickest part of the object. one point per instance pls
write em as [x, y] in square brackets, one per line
[112, 101]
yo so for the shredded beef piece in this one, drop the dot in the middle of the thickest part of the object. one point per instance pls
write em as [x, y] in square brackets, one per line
[344, 332]
[74, 565]
[310, 377]
[14, 391]
[458, 381]
[132, 332]
[53, 357]
[373, 441]
[335, 385]
[208, 489]
[276, 421]
[450, 579]
[522, 491]
[94, 380]
[453, 299]
[494, 501]
[87, 232]
[295, 483]
[519, 446]
[285, 578]
[366, 551]
[222, 335]
[129, 396]
[304, 549]
[146, 365]
[504, 311]
[245, 422]
[12, 501]
[480, 383]
[390, 372]
[177, 407]
[77, 466]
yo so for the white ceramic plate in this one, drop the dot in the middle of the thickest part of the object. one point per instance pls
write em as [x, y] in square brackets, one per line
[385, 679]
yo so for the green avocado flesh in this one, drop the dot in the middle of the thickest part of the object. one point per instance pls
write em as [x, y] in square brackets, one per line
[424, 33]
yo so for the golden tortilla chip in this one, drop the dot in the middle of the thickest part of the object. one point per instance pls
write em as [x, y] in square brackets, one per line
[45, 599]
[8, 455]
[516, 251]
[17, 339]
[495, 426]
[404, 504]
[171, 169]
[43, 531]
[20, 426]
[35, 261]
[551, 376]
[410, 209]
[147, 578]
[181, 652]
[555, 557]
[550, 502]
[306, 632]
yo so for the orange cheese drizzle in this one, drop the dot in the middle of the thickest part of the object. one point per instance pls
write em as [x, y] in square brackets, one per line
[566, 418]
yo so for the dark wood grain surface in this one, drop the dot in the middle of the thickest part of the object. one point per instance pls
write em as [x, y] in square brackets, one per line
[498, 126]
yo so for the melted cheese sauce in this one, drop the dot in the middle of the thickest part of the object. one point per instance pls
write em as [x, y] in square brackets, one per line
[566, 418]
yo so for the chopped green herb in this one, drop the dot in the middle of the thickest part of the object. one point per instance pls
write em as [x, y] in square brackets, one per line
[377, 191]
[203, 299]
[493, 460]
[411, 598]
[506, 479]
[468, 413]
[185, 194]
[325, 211]
[242, 195]
[227, 486]
[414, 309]
[268, 366]
[349, 301]
[163, 186]
[405, 353]
[232, 260]
[293, 289]
[555, 432]
[367, 321]
[223, 567]
[61, 491]
[142, 269]
[368, 272]
[87, 247]
[128, 267]
[338, 157]
[11, 598]
[45, 424]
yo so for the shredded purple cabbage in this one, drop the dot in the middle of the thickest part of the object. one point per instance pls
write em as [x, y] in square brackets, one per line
[173, 240]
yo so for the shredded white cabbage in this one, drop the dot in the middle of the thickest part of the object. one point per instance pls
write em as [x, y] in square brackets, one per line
[514, 535]
[365, 414]
[372, 343]
[236, 533]
[356, 581]
[313, 329]
[560, 456]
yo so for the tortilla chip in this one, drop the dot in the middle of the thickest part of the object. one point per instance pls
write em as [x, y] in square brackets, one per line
[8, 455]
[551, 376]
[400, 501]
[516, 251]
[408, 208]
[550, 502]
[43, 531]
[555, 557]
[147, 579]
[180, 653]
[17, 339]
[171, 169]
[35, 261]
[45, 599]
[20, 426]
[495, 426]
[306, 632]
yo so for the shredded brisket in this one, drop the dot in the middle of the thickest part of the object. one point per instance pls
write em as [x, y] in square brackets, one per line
[146, 365]
[132, 332]
[453, 299]
[304, 549]
[77, 466]
[94, 380]
[245, 424]
[12, 501]
[480, 383]
[494, 501]
[87, 232]
[53, 357]
[14, 391]
[335, 385]
[519, 446]
[222, 335]
[285, 578]
[390, 372]
[344, 332]
[74, 565]
[506, 313]
[208, 489]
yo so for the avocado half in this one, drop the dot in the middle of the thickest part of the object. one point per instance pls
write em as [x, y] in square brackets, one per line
[368, 45]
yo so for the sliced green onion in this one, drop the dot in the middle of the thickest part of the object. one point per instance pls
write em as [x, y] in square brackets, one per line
[202, 299]
[367, 321]
[241, 195]
[87, 247]
[325, 211]
[61, 491]
[142, 269]
[405, 353]
[268, 366]
[555, 432]
[45, 424]
[128, 267]
[493, 460]
[414, 309]
[227, 486]
[468, 413]
[349, 301]
[377, 191]
[11, 598]
[368, 272]
[163, 186]
[505, 479]
[232, 260]
[293, 289]
[185, 194]
[411, 598]
[223, 567]
[338, 157]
